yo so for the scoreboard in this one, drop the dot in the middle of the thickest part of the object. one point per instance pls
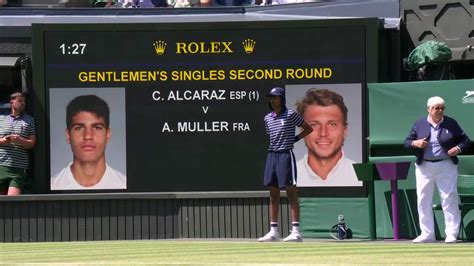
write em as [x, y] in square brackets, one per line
[187, 100]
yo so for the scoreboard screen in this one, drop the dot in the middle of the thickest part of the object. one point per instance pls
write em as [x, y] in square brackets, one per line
[185, 101]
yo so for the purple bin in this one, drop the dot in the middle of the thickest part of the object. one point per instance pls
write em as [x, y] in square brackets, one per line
[393, 171]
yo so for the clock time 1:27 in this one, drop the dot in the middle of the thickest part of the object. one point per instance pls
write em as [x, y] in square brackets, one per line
[73, 49]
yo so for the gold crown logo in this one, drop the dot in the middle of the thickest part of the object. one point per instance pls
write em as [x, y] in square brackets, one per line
[249, 45]
[160, 47]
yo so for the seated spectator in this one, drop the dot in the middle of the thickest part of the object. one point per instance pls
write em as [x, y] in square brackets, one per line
[205, 3]
[102, 3]
[3, 2]
[236, 2]
[278, 2]
[159, 3]
[184, 3]
[130, 3]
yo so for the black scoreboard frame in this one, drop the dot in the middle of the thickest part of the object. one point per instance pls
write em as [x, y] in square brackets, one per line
[42, 173]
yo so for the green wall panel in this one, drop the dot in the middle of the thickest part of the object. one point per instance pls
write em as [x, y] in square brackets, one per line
[394, 107]
[318, 215]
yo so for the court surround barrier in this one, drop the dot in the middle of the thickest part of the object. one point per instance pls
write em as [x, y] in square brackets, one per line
[126, 216]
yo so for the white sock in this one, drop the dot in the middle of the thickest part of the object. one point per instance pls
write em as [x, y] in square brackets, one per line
[274, 228]
[296, 227]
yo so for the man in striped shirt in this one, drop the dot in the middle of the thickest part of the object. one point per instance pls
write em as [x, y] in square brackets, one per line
[18, 134]
[280, 168]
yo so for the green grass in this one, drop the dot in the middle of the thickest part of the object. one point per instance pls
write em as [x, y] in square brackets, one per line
[237, 252]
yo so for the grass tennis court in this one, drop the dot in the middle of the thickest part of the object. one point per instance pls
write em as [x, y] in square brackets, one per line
[237, 252]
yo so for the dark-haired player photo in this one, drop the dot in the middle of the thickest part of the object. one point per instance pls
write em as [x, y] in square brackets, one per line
[96, 158]
[334, 112]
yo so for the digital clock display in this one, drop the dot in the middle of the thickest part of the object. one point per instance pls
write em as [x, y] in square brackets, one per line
[73, 48]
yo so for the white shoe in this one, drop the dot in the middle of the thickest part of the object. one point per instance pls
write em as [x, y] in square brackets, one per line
[270, 237]
[293, 237]
[424, 239]
[450, 240]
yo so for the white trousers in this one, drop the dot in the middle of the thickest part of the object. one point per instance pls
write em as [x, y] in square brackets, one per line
[444, 175]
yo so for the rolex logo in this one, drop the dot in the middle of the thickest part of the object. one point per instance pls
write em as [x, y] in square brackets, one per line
[249, 45]
[160, 47]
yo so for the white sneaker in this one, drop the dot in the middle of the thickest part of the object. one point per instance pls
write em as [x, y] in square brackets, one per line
[450, 240]
[270, 237]
[424, 239]
[293, 237]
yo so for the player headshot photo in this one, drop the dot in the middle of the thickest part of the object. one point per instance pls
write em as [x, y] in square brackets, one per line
[88, 133]
[323, 161]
